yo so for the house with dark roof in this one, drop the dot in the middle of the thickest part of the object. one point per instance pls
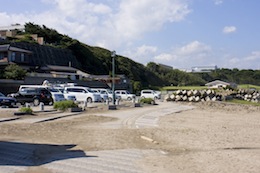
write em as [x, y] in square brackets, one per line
[220, 84]
[10, 54]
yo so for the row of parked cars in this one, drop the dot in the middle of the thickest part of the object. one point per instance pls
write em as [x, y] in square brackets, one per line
[39, 93]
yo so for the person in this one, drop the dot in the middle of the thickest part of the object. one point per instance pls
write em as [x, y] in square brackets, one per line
[45, 83]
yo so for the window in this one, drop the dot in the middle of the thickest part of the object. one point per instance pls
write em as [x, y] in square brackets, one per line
[147, 92]
[78, 90]
[13, 56]
[22, 57]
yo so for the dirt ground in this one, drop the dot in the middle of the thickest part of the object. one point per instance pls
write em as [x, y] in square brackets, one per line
[213, 137]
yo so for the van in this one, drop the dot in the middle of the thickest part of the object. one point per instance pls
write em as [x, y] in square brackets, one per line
[55, 93]
[83, 94]
[125, 95]
[155, 95]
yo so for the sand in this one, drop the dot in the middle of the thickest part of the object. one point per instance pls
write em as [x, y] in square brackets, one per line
[213, 137]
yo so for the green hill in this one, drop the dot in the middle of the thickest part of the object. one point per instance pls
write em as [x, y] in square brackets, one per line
[61, 49]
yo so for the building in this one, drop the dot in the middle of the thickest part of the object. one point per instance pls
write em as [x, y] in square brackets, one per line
[121, 81]
[10, 54]
[220, 84]
[11, 31]
[166, 66]
[203, 69]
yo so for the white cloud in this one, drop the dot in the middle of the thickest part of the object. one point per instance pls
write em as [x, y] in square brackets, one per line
[194, 47]
[218, 2]
[251, 61]
[194, 53]
[144, 50]
[229, 29]
[164, 57]
[110, 24]
[255, 56]
[142, 54]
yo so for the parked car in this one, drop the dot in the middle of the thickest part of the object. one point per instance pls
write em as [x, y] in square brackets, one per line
[7, 101]
[34, 95]
[150, 94]
[110, 94]
[66, 96]
[83, 94]
[125, 95]
[56, 94]
[103, 94]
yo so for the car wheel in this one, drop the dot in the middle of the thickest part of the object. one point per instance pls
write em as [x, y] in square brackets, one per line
[89, 100]
[36, 102]
[129, 98]
[110, 99]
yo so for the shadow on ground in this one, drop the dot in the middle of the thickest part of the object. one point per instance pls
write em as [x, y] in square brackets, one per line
[30, 154]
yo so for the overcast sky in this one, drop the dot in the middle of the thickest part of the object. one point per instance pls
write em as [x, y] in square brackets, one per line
[179, 33]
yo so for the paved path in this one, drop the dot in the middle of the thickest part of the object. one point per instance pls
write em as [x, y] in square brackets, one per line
[17, 156]
[142, 117]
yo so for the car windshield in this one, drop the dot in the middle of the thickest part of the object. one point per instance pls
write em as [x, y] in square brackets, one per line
[103, 92]
[2, 95]
[89, 90]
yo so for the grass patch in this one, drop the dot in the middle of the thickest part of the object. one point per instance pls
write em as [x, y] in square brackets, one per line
[64, 105]
[244, 102]
[26, 110]
[248, 86]
[147, 101]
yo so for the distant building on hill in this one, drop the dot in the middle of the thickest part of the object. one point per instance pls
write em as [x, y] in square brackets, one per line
[11, 31]
[220, 84]
[203, 69]
[166, 66]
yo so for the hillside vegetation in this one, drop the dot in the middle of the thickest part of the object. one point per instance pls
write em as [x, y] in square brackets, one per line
[96, 60]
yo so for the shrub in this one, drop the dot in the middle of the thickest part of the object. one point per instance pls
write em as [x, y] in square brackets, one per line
[14, 71]
[147, 101]
[64, 105]
[26, 110]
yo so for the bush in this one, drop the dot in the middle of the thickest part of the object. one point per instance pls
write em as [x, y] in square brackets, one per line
[64, 105]
[14, 71]
[26, 110]
[147, 101]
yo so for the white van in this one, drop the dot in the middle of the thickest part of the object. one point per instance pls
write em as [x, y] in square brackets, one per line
[150, 94]
[125, 95]
[83, 94]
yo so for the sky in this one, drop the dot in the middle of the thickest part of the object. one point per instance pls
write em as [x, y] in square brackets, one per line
[179, 33]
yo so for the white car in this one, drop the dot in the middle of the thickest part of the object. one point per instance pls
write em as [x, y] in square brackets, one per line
[102, 93]
[110, 94]
[56, 95]
[150, 94]
[125, 95]
[83, 94]
[66, 96]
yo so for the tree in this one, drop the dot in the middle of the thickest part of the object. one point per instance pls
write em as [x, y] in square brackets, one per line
[137, 86]
[14, 71]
